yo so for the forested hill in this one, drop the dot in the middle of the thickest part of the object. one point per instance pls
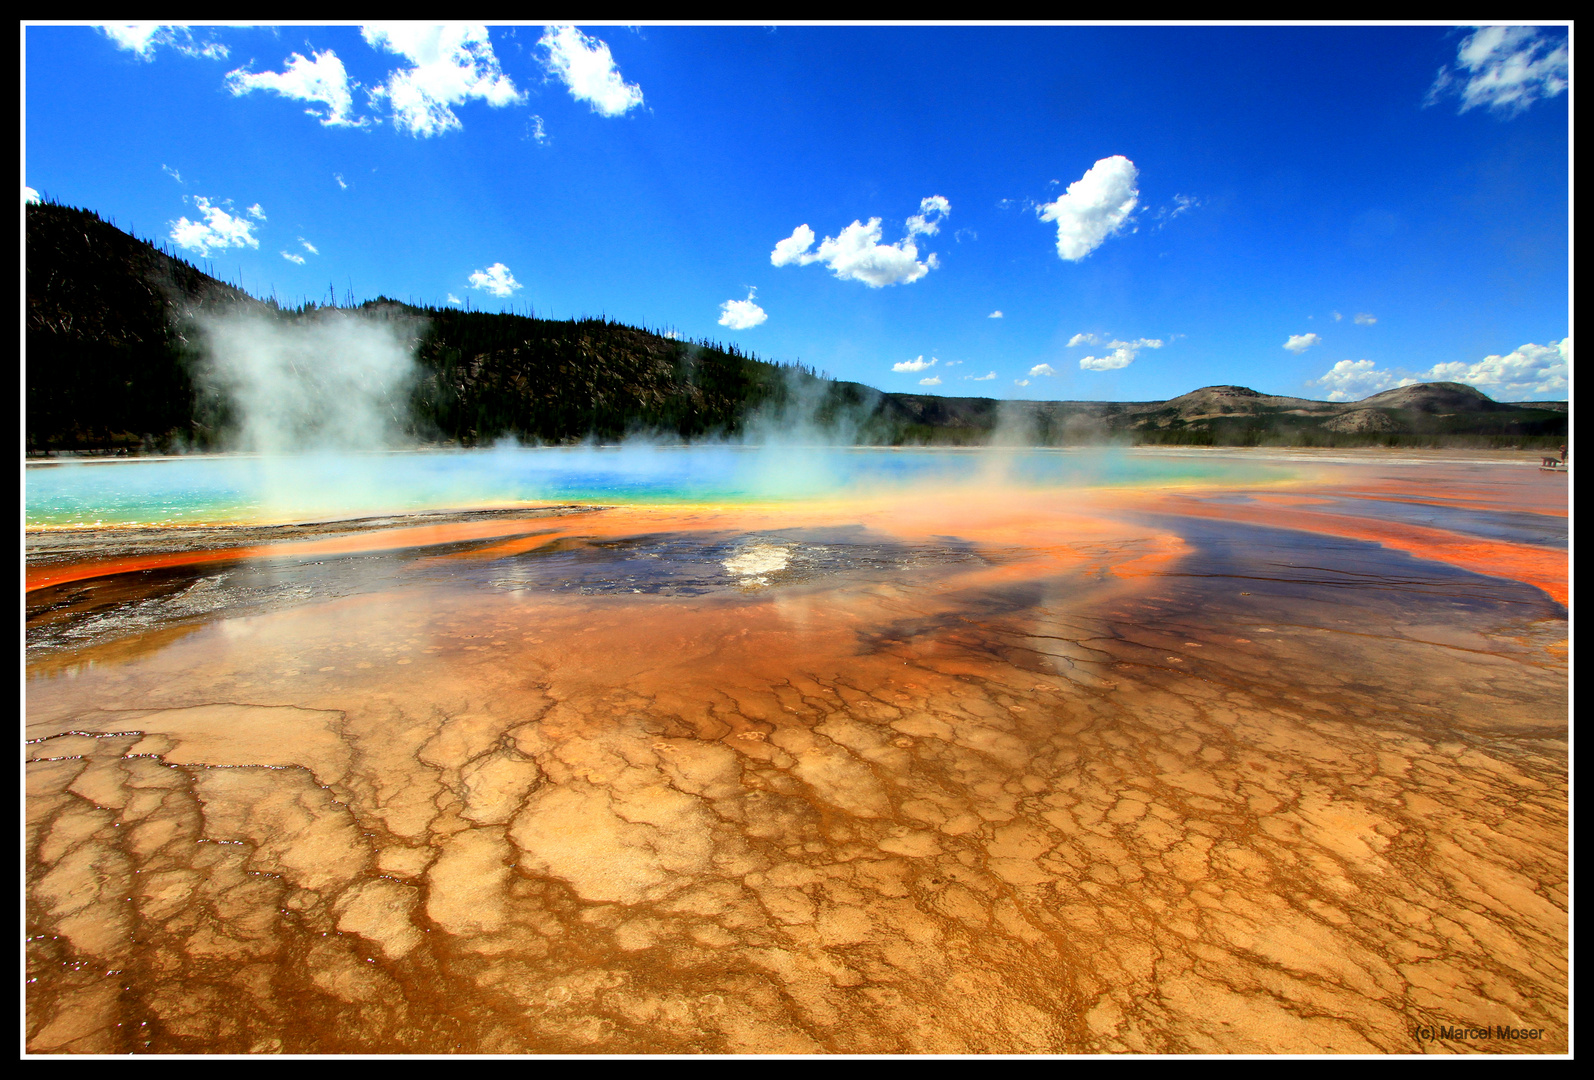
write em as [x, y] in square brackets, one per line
[114, 364]
[113, 361]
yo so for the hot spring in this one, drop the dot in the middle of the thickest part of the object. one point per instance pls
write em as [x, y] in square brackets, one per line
[732, 749]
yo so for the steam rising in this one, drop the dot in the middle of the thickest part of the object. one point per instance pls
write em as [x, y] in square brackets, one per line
[320, 402]
[335, 381]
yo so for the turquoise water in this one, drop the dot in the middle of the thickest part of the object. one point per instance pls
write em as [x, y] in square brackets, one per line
[214, 489]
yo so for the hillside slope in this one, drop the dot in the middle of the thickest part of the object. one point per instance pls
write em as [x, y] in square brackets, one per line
[114, 364]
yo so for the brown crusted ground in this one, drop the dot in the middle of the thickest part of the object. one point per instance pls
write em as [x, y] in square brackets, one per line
[1069, 799]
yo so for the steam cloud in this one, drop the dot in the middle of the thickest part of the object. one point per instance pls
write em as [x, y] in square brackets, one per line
[336, 381]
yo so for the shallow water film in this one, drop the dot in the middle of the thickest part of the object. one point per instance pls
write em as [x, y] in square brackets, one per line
[1212, 753]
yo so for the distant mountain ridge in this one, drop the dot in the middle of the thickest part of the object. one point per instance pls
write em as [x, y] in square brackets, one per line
[113, 366]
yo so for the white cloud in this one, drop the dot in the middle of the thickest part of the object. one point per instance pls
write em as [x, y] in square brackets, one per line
[981, 378]
[1506, 68]
[535, 130]
[142, 38]
[914, 365]
[134, 37]
[932, 210]
[1094, 207]
[794, 248]
[934, 380]
[1352, 380]
[256, 212]
[291, 257]
[1020, 382]
[173, 173]
[496, 279]
[29, 195]
[1042, 369]
[1181, 203]
[339, 178]
[219, 229]
[997, 314]
[1118, 358]
[586, 67]
[450, 64]
[1299, 343]
[742, 314]
[1364, 319]
[321, 81]
[1529, 371]
[452, 299]
[1338, 316]
[1123, 352]
[311, 248]
[856, 254]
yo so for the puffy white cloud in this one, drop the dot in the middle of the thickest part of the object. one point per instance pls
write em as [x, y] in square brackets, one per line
[1123, 352]
[311, 248]
[256, 212]
[1020, 382]
[29, 195]
[1118, 358]
[794, 248]
[1094, 207]
[914, 365]
[1352, 380]
[291, 257]
[981, 378]
[1526, 373]
[496, 279]
[995, 314]
[1506, 68]
[934, 380]
[1042, 369]
[134, 37]
[450, 64]
[1299, 343]
[535, 130]
[742, 314]
[322, 81]
[586, 67]
[856, 254]
[452, 299]
[339, 178]
[1364, 319]
[219, 229]
[1529, 371]
[142, 38]
[1338, 316]
[932, 210]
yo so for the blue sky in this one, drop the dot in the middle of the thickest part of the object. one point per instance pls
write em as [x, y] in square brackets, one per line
[1313, 211]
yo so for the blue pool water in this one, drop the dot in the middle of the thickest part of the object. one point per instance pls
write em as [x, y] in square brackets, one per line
[215, 489]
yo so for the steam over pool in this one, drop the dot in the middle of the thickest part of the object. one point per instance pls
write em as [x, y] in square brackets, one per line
[242, 488]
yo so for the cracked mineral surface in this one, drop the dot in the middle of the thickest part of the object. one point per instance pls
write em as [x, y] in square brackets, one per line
[1267, 770]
